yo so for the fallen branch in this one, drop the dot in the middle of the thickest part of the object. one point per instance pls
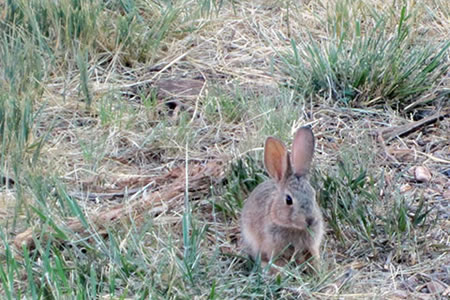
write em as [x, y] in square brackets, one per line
[398, 131]
[200, 177]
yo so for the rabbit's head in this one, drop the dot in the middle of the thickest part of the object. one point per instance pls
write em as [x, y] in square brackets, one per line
[294, 205]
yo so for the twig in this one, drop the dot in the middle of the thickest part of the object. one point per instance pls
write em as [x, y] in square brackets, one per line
[392, 132]
[93, 196]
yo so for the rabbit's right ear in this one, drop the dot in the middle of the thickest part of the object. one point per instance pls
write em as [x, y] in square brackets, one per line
[275, 158]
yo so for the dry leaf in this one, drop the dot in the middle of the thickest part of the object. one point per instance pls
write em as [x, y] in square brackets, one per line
[405, 188]
[357, 265]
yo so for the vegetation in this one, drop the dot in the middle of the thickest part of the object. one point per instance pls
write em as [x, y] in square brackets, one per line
[373, 64]
[158, 110]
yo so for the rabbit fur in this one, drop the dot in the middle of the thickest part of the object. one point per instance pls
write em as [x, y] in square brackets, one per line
[281, 218]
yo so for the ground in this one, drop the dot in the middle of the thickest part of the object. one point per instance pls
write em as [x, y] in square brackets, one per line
[133, 131]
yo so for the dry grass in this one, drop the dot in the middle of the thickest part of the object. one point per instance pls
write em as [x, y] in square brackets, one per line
[211, 90]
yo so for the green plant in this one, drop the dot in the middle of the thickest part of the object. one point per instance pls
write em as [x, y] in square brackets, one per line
[351, 202]
[223, 107]
[357, 68]
[245, 174]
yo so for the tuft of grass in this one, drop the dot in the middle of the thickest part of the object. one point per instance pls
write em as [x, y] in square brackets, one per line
[356, 207]
[221, 107]
[245, 174]
[280, 114]
[364, 65]
[82, 63]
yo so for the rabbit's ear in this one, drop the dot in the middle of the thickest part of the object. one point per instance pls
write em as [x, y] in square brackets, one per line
[275, 158]
[302, 150]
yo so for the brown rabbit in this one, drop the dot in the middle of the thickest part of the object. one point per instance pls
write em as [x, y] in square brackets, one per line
[281, 218]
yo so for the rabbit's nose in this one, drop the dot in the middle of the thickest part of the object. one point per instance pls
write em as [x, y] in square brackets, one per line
[310, 221]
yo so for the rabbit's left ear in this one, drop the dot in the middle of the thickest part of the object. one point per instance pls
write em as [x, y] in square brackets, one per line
[302, 150]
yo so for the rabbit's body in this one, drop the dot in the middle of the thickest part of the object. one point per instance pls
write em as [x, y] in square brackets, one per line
[281, 217]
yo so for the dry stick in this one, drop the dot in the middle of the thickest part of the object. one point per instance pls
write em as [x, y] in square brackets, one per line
[392, 132]
[93, 196]
[199, 181]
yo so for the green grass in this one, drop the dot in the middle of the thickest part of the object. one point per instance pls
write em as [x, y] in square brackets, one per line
[80, 113]
[366, 65]
[355, 206]
[244, 175]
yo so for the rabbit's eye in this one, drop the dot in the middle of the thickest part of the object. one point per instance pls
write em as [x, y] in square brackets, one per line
[288, 200]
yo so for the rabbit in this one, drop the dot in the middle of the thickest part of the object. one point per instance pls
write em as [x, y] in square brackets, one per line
[281, 218]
